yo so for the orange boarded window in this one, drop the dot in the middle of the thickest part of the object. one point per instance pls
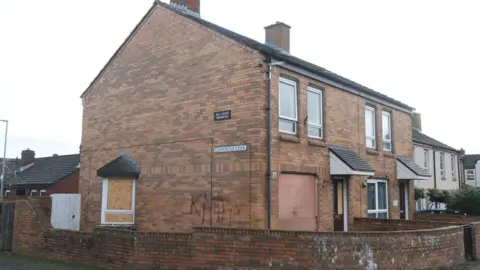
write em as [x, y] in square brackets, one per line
[118, 201]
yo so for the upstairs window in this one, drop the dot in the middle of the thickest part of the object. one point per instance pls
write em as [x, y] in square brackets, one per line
[452, 164]
[287, 106]
[387, 131]
[315, 113]
[425, 159]
[442, 165]
[370, 127]
[470, 175]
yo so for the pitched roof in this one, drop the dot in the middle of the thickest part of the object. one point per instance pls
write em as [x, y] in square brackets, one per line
[351, 159]
[45, 171]
[411, 165]
[122, 166]
[11, 164]
[469, 161]
[261, 47]
[419, 137]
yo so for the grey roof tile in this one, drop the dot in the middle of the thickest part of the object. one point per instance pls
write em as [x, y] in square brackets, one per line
[45, 171]
[261, 47]
[351, 158]
[469, 161]
[122, 166]
[419, 137]
[410, 164]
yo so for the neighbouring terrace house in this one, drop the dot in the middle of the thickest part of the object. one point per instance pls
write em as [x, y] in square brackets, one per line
[191, 124]
[440, 160]
[471, 165]
[31, 176]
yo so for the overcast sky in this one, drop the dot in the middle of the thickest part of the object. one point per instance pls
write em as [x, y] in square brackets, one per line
[423, 53]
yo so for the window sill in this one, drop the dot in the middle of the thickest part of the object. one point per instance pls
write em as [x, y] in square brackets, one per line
[316, 142]
[389, 154]
[289, 138]
[372, 152]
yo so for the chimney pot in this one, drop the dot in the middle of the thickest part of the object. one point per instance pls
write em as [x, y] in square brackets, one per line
[192, 5]
[417, 121]
[28, 156]
[279, 35]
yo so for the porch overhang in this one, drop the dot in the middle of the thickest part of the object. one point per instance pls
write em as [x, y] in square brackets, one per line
[121, 167]
[407, 169]
[345, 161]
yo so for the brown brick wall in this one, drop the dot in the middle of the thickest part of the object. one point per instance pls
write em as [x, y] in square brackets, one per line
[68, 184]
[213, 248]
[368, 224]
[446, 217]
[344, 124]
[156, 101]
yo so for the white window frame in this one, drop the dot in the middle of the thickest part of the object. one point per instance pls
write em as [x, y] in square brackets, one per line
[442, 165]
[105, 211]
[287, 118]
[471, 174]
[7, 192]
[452, 163]
[367, 137]
[378, 211]
[426, 159]
[389, 115]
[42, 191]
[316, 125]
[33, 191]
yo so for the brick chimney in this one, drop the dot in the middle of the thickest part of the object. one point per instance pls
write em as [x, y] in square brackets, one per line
[28, 156]
[278, 34]
[192, 5]
[417, 121]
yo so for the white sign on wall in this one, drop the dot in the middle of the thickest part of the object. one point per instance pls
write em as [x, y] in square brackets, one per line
[230, 148]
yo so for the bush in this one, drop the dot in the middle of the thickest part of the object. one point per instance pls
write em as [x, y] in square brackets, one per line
[438, 195]
[419, 194]
[465, 200]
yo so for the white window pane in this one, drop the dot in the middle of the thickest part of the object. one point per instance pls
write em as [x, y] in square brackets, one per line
[371, 196]
[369, 126]
[387, 146]
[314, 108]
[315, 132]
[370, 143]
[287, 126]
[382, 195]
[386, 127]
[288, 106]
[382, 215]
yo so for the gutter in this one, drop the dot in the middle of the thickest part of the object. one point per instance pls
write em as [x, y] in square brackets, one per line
[435, 173]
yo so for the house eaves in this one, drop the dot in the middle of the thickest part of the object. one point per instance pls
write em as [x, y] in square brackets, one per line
[268, 51]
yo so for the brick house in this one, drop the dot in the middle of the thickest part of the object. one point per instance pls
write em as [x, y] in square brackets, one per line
[177, 133]
[31, 176]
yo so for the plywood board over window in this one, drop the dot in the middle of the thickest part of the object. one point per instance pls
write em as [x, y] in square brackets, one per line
[118, 201]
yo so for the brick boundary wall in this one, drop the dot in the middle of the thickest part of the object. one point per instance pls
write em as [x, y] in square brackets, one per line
[226, 248]
[446, 217]
[369, 224]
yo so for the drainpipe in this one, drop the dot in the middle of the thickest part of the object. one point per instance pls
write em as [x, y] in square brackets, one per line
[434, 174]
[269, 139]
[269, 143]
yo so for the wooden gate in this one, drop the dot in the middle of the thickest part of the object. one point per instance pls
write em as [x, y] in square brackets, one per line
[6, 225]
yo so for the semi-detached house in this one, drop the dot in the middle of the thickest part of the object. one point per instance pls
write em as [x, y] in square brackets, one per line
[190, 124]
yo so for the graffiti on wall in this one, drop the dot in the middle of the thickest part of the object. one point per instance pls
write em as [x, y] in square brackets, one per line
[214, 208]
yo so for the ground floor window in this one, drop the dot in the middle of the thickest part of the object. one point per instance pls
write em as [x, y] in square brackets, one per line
[118, 201]
[377, 199]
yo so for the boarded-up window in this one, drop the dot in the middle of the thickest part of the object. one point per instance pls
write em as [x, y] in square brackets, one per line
[118, 201]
